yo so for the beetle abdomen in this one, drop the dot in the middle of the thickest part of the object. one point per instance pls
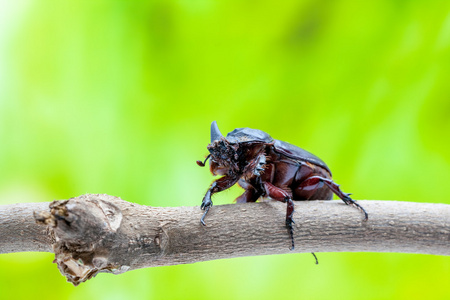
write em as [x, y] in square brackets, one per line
[298, 153]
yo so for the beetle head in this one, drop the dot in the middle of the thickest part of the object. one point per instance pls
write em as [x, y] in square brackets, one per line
[241, 153]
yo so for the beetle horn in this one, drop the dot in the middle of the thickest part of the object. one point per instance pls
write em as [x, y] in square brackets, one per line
[215, 132]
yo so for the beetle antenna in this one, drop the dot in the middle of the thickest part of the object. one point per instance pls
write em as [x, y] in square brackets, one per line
[202, 164]
[317, 261]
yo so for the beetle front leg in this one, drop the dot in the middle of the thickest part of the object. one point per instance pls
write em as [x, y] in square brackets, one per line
[281, 195]
[219, 185]
[206, 203]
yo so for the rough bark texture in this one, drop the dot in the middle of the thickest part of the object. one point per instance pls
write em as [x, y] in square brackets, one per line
[101, 233]
[19, 231]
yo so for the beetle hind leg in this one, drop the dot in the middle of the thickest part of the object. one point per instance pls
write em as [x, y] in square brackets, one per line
[334, 187]
[349, 201]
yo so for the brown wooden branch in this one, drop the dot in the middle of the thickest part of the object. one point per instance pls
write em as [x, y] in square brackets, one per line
[101, 233]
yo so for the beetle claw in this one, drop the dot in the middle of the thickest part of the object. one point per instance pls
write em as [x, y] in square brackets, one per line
[202, 220]
[206, 205]
[315, 257]
[349, 201]
[289, 223]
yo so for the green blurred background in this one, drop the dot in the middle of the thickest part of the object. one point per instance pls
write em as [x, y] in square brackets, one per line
[117, 97]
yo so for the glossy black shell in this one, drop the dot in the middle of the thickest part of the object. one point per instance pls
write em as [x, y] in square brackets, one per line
[298, 153]
[243, 135]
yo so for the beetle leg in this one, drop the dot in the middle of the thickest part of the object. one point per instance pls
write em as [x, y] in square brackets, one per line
[219, 185]
[315, 257]
[253, 190]
[337, 190]
[206, 203]
[281, 195]
[250, 195]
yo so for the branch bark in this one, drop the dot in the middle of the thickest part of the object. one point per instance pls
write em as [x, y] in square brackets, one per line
[101, 233]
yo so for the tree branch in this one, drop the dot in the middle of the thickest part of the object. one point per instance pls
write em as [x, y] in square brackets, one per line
[102, 233]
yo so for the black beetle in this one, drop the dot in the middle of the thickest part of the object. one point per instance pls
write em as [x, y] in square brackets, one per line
[266, 167]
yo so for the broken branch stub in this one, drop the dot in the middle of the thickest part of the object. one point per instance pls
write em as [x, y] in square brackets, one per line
[85, 231]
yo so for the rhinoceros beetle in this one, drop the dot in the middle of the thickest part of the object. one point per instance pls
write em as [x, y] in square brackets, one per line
[266, 167]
